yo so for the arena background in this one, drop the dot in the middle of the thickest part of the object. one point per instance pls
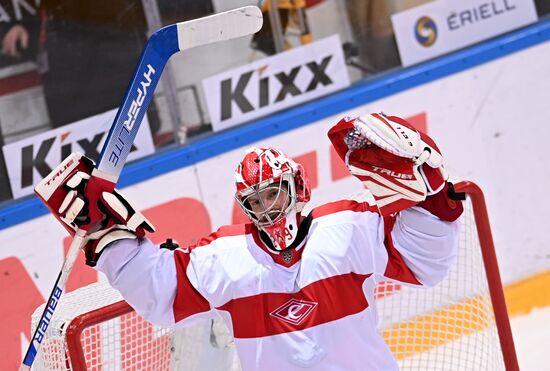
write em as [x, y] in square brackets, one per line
[487, 107]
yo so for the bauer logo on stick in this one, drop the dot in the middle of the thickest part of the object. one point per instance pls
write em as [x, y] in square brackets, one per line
[44, 322]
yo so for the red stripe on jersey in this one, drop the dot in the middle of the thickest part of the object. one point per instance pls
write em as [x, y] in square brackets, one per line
[342, 205]
[188, 300]
[320, 302]
[396, 269]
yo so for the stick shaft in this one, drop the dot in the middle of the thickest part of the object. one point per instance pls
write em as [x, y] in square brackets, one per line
[53, 300]
[139, 93]
[161, 45]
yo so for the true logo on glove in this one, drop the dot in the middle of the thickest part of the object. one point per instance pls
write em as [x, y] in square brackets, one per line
[391, 173]
[61, 171]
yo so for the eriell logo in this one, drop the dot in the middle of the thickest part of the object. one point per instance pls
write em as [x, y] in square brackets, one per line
[294, 311]
[425, 31]
[479, 13]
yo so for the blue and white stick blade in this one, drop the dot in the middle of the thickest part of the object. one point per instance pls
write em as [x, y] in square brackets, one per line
[223, 26]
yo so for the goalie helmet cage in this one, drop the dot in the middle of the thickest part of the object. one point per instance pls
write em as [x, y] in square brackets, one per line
[460, 324]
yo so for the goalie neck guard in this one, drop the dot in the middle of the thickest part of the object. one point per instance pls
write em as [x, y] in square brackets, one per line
[272, 190]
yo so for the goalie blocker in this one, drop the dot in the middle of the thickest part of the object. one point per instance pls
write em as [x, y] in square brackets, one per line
[401, 166]
[65, 193]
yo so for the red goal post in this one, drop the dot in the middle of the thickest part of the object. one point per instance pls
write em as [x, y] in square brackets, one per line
[460, 324]
[481, 217]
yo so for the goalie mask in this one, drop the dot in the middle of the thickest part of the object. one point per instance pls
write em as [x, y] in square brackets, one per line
[272, 190]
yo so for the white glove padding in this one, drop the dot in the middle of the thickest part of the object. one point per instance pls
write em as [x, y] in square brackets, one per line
[398, 164]
[67, 193]
[398, 137]
[121, 221]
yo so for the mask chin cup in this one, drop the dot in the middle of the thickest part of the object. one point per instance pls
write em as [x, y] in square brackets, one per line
[283, 233]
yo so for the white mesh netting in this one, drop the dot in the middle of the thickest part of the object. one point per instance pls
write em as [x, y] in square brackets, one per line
[125, 341]
[450, 326]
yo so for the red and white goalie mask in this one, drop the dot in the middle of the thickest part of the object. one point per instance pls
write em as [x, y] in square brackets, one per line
[272, 190]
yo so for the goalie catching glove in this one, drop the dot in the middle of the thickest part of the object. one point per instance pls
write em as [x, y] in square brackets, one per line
[79, 200]
[399, 165]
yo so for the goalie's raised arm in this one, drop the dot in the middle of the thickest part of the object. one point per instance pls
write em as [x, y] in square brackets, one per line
[65, 193]
[402, 168]
[400, 165]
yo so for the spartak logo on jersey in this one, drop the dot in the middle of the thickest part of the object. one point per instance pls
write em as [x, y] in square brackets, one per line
[294, 311]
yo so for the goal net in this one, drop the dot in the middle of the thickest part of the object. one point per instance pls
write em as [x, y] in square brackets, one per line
[461, 324]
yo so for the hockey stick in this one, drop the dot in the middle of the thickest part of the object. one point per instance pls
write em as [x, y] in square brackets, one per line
[159, 48]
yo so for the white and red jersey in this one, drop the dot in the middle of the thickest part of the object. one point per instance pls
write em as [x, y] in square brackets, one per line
[316, 310]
